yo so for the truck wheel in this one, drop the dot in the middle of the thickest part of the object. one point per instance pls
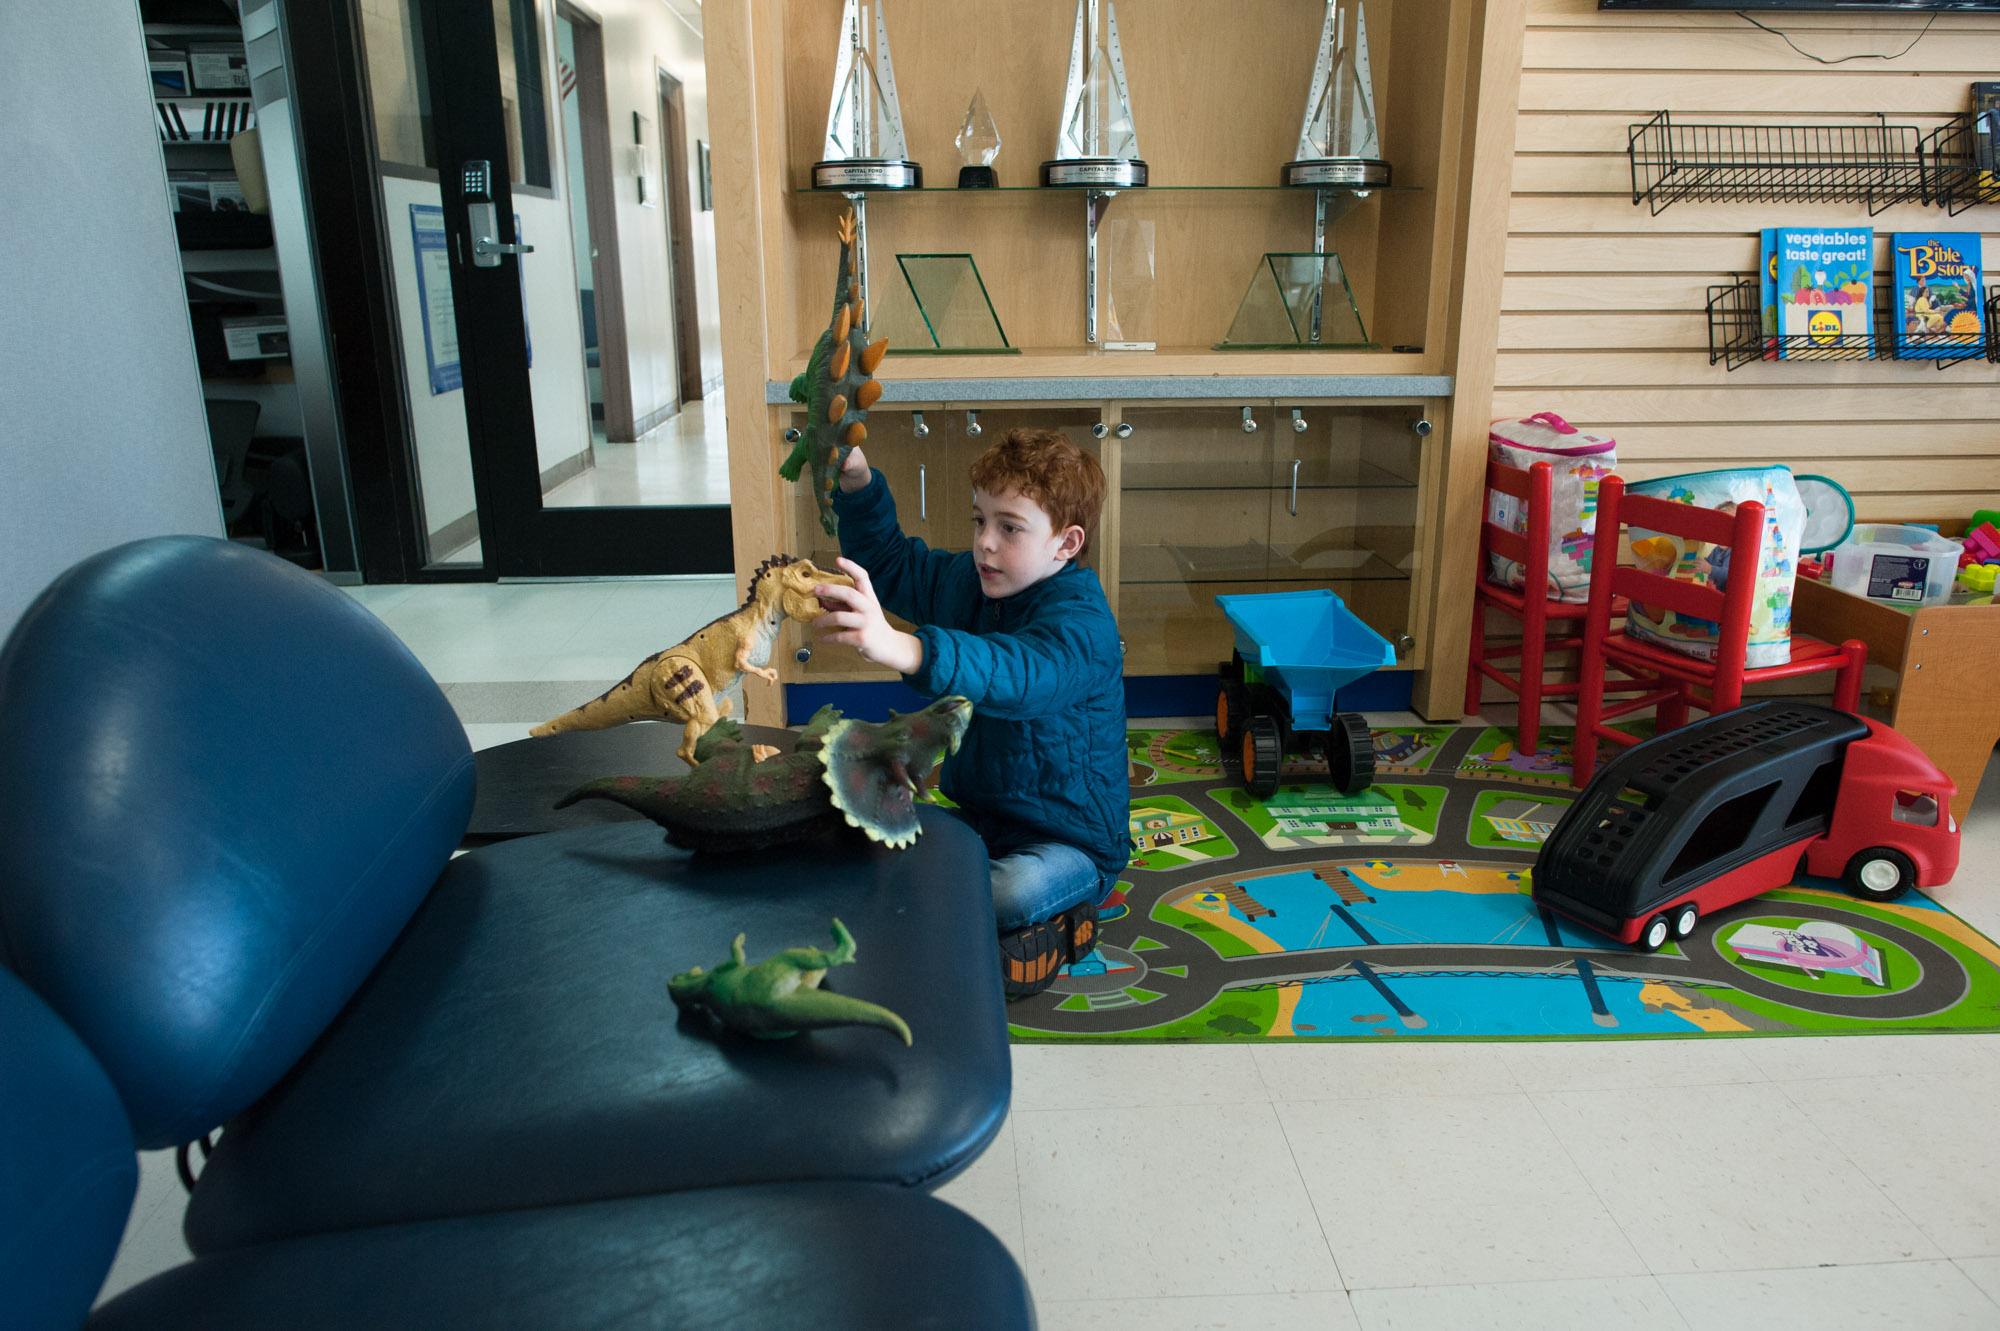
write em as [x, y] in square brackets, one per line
[1232, 709]
[1654, 936]
[1880, 874]
[1263, 753]
[1350, 754]
[1685, 916]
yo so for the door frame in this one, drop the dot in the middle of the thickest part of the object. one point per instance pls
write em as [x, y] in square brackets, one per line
[600, 202]
[680, 239]
[519, 537]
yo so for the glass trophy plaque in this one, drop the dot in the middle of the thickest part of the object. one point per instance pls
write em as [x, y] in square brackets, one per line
[1297, 302]
[1339, 147]
[1128, 285]
[978, 144]
[865, 147]
[944, 310]
[1097, 145]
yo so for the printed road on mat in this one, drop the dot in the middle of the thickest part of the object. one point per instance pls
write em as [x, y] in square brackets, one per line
[1403, 913]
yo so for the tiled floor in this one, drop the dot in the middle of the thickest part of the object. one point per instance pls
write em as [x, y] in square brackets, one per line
[1640, 1186]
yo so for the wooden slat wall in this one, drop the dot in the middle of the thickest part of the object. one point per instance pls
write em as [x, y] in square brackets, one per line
[1602, 302]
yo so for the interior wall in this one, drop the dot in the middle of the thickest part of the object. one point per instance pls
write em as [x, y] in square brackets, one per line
[641, 38]
[103, 438]
[1603, 302]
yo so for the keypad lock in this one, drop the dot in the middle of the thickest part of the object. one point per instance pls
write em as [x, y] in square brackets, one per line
[476, 180]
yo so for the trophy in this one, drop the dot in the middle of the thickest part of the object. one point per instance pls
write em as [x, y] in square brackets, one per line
[865, 148]
[1097, 146]
[1338, 147]
[978, 144]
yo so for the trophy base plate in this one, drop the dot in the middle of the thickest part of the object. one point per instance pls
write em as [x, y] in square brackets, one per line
[1094, 173]
[1359, 173]
[977, 177]
[867, 173]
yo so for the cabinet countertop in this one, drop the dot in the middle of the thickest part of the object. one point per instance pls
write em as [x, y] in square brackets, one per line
[1133, 377]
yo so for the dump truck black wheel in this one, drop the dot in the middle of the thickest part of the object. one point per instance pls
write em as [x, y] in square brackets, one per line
[1263, 754]
[1232, 709]
[1350, 754]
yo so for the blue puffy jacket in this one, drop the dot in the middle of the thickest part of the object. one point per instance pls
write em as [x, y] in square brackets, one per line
[1044, 759]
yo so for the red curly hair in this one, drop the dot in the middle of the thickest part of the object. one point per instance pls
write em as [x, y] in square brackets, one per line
[1043, 465]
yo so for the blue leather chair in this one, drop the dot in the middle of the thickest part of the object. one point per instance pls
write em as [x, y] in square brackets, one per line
[825, 1255]
[238, 792]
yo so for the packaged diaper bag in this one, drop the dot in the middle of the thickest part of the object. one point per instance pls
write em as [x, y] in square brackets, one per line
[1579, 461]
[1698, 561]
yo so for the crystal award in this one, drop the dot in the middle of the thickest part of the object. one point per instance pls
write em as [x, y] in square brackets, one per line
[1338, 145]
[865, 148]
[1097, 146]
[1297, 302]
[978, 144]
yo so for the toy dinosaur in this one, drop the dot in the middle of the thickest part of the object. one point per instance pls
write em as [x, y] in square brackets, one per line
[685, 682]
[866, 774]
[836, 387]
[780, 995]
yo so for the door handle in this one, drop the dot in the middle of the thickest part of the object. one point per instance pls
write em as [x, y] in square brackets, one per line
[486, 246]
[923, 496]
[1295, 485]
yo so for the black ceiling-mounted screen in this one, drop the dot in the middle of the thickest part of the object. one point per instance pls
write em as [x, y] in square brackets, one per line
[1816, 6]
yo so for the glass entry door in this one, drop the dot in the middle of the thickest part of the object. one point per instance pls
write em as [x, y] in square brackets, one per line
[503, 173]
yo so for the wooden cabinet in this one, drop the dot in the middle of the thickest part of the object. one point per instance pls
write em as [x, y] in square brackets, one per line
[1377, 510]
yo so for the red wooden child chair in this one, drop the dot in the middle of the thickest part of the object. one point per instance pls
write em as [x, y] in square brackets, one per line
[1673, 681]
[1528, 603]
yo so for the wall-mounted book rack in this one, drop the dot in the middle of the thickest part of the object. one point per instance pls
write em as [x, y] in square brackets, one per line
[1736, 335]
[1875, 163]
[1954, 177]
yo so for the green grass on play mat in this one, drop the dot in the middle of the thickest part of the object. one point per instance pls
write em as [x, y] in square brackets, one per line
[1402, 914]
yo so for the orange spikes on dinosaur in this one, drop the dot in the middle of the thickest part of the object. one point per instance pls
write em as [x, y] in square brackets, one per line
[836, 408]
[855, 434]
[841, 324]
[860, 305]
[837, 367]
[871, 355]
[844, 228]
[866, 395]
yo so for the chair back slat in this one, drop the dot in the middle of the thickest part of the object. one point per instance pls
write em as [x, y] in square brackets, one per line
[1535, 488]
[1742, 535]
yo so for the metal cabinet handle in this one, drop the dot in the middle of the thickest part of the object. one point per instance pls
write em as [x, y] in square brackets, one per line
[923, 496]
[1295, 485]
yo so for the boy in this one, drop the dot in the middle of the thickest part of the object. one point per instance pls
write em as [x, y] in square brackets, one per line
[1016, 626]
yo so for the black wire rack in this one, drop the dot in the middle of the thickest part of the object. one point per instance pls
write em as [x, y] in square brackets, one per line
[1737, 335]
[1876, 163]
[1962, 162]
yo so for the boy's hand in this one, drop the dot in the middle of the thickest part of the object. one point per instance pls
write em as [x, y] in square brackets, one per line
[854, 473]
[861, 625]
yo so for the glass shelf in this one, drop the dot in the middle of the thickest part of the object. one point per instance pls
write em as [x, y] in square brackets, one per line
[1340, 473]
[1304, 190]
[1253, 561]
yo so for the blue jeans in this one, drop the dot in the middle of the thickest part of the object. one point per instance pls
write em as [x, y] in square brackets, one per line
[1040, 881]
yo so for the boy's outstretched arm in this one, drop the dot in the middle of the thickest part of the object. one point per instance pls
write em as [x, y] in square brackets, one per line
[910, 579]
[861, 625]
[1012, 676]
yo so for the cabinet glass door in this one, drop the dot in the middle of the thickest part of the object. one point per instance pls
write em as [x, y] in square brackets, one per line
[1209, 510]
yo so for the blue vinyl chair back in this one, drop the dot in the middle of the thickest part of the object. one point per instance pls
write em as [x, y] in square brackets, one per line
[67, 1168]
[229, 787]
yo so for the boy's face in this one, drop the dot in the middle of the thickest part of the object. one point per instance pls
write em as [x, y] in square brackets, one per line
[1014, 544]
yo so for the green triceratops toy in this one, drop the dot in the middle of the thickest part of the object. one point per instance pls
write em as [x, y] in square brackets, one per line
[866, 774]
[780, 995]
[836, 388]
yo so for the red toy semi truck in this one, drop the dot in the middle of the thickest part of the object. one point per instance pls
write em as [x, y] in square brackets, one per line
[1711, 814]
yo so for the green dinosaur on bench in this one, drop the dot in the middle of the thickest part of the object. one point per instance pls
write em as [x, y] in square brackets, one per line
[780, 995]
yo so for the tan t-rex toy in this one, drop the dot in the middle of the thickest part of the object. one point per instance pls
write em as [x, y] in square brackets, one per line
[685, 682]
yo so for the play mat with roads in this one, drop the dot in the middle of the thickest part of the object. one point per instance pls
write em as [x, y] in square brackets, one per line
[1403, 913]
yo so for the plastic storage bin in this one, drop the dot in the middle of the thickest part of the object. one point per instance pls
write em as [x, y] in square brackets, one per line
[1901, 565]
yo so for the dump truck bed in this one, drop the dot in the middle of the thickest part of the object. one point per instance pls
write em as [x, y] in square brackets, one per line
[1308, 645]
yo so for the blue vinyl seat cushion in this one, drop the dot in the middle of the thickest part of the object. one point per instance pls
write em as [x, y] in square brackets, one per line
[825, 1256]
[67, 1171]
[517, 1047]
[229, 785]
